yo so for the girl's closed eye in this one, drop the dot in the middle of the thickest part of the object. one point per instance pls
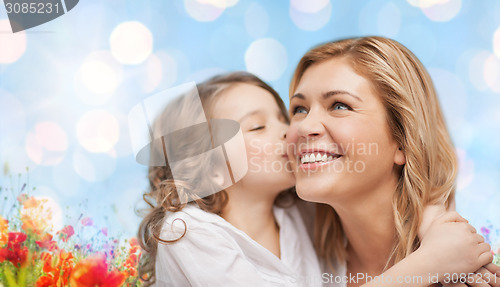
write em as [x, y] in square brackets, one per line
[257, 127]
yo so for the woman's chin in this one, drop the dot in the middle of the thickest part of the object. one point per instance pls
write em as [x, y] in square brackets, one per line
[312, 194]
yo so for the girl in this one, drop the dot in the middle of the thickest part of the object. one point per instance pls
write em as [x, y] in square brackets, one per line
[251, 233]
[368, 140]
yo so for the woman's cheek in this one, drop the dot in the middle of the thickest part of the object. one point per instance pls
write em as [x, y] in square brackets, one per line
[291, 134]
[291, 141]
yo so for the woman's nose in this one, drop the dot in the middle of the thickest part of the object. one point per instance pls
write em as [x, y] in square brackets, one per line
[311, 127]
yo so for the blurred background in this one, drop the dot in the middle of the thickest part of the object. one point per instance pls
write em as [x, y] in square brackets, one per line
[67, 86]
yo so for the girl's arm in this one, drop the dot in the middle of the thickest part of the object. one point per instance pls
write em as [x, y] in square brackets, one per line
[450, 246]
[487, 275]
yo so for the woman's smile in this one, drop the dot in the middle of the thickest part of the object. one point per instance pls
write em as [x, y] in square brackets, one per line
[314, 158]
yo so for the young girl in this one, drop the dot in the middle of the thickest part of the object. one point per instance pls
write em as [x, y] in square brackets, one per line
[251, 233]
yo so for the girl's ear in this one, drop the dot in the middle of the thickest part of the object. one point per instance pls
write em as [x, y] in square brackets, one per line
[399, 157]
[218, 177]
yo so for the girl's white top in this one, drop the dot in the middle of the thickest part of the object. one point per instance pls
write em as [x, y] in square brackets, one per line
[215, 253]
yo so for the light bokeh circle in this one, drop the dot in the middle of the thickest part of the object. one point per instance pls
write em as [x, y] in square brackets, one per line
[219, 3]
[98, 78]
[491, 73]
[496, 42]
[131, 43]
[46, 144]
[311, 21]
[203, 11]
[310, 6]
[266, 58]
[476, 68]
[443, 10]
[98, 131]
[12, 45]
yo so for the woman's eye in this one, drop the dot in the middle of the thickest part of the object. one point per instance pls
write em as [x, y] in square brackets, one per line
[299, 110]
[257, 128]
[340, 106]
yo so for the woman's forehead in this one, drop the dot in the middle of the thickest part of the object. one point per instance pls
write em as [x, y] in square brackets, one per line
[336, 74]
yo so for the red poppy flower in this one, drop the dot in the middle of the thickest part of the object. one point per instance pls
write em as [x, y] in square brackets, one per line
[66, 233]
[14, 251]
[93, 271]
[58, 273]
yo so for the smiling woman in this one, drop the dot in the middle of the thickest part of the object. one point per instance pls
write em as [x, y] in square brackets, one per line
[370, 91]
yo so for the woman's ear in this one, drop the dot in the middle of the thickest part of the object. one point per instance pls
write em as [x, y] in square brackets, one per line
[399, 157]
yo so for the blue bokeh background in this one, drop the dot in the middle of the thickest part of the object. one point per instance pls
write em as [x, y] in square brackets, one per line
[67, 86]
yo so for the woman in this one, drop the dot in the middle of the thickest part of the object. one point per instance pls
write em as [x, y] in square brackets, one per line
[368, 140]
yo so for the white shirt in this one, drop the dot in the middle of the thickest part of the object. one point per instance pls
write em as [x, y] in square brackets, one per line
[215, 253]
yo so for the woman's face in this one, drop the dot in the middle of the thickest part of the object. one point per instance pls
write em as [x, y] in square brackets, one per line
[337, 114]
[263, 127]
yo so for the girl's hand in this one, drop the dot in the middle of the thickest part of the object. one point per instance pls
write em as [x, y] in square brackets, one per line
[453, 246]
[488, 274]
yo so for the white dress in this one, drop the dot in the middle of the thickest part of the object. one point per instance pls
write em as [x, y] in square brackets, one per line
[215, 253]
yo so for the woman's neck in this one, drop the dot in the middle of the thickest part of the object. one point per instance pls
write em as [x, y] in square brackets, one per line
[255, 217]
[368, 224]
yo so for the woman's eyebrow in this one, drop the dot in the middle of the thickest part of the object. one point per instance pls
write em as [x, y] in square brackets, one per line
[338, 92]
[298, 95]
[328, 95]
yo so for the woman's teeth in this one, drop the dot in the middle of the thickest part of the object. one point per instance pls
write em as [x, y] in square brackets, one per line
[318, 157]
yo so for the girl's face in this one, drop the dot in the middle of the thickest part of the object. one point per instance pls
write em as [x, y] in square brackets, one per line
[336, 114]
[263, 126]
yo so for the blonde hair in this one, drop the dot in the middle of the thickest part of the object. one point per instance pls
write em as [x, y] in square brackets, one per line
[163, 195]
[417, 125]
